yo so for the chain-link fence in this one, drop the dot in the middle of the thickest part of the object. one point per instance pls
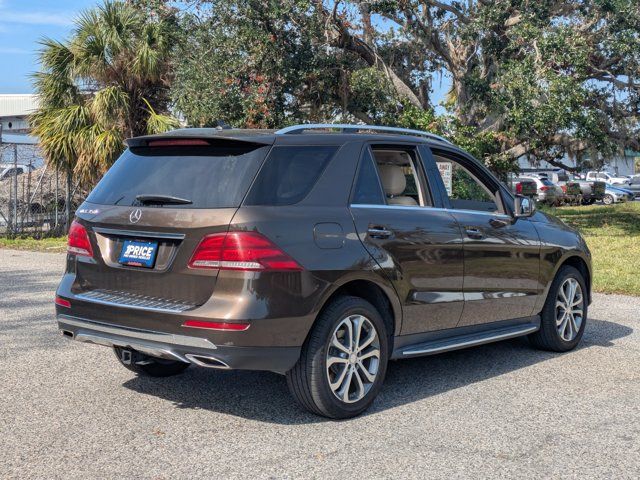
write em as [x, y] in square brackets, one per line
[33, 196]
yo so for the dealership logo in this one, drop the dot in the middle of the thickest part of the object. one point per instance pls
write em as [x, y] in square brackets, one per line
[135, 215]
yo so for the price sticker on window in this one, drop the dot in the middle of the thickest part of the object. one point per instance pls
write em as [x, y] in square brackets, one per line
[445, 169]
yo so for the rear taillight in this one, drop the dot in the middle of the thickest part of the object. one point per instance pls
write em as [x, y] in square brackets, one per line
[62, 302]
[240, 251]
[519, 187]
[564, 188]
[78, 242]
[544, 188]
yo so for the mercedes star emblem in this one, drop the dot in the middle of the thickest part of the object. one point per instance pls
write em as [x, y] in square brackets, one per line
[135, 215]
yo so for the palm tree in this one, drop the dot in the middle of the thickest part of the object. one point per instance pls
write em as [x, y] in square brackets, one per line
[109, 81]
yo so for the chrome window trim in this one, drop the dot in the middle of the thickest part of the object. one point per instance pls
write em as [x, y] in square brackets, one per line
[439, 209]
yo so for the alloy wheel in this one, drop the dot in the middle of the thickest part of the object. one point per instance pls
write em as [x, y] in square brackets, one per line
[353, 358]
[569, 309]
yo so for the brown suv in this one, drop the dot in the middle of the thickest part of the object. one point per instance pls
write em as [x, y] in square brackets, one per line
[318, 251]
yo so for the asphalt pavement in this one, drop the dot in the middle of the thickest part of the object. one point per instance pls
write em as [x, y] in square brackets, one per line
[69, 410]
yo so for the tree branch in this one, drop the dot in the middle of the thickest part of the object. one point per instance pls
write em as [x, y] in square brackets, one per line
[346, 40]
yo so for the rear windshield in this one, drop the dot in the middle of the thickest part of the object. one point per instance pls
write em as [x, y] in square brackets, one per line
[209, 177]
[289, 174]
[548, 183]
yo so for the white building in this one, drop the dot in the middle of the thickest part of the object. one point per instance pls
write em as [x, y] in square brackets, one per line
[621, 164]
[15, 110]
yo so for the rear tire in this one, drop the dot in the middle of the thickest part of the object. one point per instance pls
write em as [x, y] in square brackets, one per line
[343, 362]
[564, 315]
[148, 366]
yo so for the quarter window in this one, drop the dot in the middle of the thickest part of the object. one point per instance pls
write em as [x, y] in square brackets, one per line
[368, 190]
[289, 174]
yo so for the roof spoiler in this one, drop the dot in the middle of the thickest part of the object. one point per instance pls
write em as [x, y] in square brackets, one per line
[184, 139]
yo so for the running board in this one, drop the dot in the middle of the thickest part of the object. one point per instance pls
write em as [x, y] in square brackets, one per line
[469, 340]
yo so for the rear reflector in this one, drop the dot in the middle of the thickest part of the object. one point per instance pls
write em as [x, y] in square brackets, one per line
[237, 327]
[178, 143]
[62, 302]
[78, 242]
[241, 251]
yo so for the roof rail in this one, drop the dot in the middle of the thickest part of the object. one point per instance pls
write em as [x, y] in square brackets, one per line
[346, 128]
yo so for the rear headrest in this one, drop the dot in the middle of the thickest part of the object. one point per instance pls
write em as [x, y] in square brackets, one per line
[393, 179]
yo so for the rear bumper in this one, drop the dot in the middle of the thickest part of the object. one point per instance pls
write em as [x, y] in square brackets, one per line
[197, 350]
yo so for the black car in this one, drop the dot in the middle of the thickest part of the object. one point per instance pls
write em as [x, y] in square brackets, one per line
[320, 252]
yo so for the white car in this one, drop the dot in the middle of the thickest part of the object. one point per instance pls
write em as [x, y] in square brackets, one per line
[8, 170]
[607, 178]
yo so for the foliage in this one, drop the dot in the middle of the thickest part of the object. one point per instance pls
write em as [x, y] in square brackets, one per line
[42, 244]
[544, 79]
[247, 63]
[105, 83]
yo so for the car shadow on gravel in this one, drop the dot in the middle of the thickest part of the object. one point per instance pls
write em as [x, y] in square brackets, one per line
[264, 397]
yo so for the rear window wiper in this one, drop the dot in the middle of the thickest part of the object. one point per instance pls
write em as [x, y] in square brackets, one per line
[154, 199]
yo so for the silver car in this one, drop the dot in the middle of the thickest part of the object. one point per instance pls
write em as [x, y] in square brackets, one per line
[548, 192]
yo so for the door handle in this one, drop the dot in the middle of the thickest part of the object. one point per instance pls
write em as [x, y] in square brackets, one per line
[498, 223]
[379, 232]
[473, 232]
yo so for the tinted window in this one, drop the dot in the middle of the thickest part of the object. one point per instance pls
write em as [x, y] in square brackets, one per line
[465, 191]
[211, 177]
[548, 183]
[368, 190]
[289, 174]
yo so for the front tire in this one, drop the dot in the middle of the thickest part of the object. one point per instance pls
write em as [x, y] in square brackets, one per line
[343, 361]
[148, 366]
[608, 199]
[564, 315]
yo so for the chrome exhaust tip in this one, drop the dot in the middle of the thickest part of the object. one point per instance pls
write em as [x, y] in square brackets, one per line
[207, 361]
[67, 333]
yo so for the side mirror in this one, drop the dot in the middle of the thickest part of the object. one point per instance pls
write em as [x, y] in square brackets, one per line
[523, 206]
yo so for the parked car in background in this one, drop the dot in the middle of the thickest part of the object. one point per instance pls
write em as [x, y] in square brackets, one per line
[590, 191]
[548, 192]
[607, 178]
[318, 256]
[614, 194]
[524, 186]
[634, 186]
[8, 170]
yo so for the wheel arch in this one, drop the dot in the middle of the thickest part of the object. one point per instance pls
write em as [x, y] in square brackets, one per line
[581, 265]
[381, 296]
[579, 261]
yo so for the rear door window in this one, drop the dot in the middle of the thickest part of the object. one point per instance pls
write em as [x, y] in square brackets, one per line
[210, 177]
[289, 174]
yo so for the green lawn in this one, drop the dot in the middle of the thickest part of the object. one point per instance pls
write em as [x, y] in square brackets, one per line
[41, 245]
[613, 236]
[612, 233]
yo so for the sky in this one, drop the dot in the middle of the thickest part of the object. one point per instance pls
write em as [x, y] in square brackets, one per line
[24, 22]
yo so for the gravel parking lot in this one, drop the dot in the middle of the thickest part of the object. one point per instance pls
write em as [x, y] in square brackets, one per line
[69, 410]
